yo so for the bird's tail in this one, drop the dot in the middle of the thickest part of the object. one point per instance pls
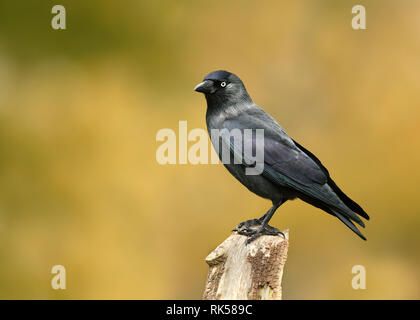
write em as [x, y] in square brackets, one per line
[353, 206]
[350, 224]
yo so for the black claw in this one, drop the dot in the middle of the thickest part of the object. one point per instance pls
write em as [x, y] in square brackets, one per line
[248, 224]
[247, 232]
[252, 229]
[252, 238]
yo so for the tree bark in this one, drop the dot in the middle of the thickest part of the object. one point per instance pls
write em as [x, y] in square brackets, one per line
[247, 272]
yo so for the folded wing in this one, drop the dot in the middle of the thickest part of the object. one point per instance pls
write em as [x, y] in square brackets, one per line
[288, 164]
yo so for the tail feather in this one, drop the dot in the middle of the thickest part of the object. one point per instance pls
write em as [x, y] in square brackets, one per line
[352, 205]
[349, 224]
[347, 201]
[350, 215]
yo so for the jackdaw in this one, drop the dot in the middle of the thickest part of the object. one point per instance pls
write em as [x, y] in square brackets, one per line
[289, 171]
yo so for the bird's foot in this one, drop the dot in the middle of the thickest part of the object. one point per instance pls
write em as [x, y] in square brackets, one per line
[253, 229]
[247, 226]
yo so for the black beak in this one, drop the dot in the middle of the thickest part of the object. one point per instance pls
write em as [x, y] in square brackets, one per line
[207, 86]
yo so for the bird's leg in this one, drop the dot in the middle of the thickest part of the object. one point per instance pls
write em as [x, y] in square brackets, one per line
[261, 219]
[248, 224]
[246, 227]
[264, 228]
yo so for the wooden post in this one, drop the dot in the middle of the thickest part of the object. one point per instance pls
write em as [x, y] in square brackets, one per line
[238, 271]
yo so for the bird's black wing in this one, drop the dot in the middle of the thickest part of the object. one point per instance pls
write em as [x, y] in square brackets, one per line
[349, 202]
[292, 163]
[288, 166]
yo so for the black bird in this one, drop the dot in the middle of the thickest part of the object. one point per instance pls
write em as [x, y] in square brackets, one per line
[289, 170]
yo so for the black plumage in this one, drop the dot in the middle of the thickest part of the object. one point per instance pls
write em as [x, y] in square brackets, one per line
[289, 170]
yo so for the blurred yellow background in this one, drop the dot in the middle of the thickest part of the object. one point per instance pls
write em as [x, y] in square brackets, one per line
[79, 113]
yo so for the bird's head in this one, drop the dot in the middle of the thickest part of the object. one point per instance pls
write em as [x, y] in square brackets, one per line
[223, 86]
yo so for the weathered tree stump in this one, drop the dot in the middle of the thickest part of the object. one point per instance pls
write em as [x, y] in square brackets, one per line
[238, 271]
